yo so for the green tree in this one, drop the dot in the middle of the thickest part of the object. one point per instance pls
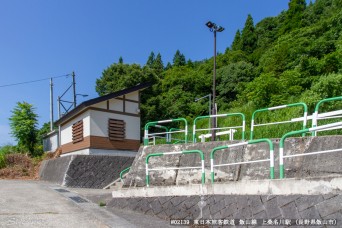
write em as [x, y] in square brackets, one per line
[168, 66]
[294, 15]
[248, 36]
[231, 79]
[23, 124]
[179, 59]
[150, 60]
[236, 45]
[121, 76]
[121, 60]
[158, 65]
[262, 90]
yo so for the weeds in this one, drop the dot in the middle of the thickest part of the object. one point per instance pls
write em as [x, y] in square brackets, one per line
[102, 204]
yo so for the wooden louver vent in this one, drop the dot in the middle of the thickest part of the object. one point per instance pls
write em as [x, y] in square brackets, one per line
[116, 130]
[77, 132]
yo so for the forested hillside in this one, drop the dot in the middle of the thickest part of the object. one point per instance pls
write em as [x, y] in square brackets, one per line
[296, 56]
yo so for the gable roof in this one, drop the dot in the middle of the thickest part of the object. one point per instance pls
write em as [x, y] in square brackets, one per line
[93, 101]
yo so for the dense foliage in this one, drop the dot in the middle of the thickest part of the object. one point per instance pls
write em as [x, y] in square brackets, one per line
[296, 56]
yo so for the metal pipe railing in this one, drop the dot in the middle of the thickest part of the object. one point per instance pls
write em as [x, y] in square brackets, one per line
[279, 107]
[219, 115]
[156, 123]
[315, 115]
[271, 159]
[124, 171]
[282, 141]
[175, 168]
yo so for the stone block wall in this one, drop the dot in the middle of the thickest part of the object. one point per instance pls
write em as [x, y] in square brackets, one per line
[84, 171]
[328, 206]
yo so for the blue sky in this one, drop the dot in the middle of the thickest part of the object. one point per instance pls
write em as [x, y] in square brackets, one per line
[42, 38]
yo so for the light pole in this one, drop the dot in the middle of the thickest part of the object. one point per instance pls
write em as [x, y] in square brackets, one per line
[209, 95]
[214, 28]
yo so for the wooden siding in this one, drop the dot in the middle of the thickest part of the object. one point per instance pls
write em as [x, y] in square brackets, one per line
[69, 147]
[97, 142]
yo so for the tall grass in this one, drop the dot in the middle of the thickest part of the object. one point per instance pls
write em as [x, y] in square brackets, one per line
[4, 150]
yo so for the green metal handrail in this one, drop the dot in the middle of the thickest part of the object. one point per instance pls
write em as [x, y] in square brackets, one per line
[315, 114]
[150, 124]
[305, 107]
[124, 171]
[171, 153]
[271, 159]
[219, 115]
[282, 141]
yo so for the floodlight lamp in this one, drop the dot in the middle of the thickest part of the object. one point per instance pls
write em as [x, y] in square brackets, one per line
[220, 29]
[209, 24]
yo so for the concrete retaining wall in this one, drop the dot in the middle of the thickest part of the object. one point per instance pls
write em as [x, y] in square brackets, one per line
[314, 198]
[236, 207]
[84, 171]
[299, 167]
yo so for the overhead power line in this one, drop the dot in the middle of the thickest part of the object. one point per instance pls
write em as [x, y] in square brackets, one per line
[38, 80]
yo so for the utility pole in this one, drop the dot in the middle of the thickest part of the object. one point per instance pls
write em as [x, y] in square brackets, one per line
[74, 87]
[59, 106]
[51, 105]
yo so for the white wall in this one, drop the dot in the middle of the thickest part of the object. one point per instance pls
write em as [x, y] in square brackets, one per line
[133, 96]
[66, 129]
[101, 105]
[116, 105]
[123, 153]
[50, 143]
[131, 107]
[99, 124]
[78, 152]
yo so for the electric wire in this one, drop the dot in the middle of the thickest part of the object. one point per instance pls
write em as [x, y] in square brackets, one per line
[38, 80]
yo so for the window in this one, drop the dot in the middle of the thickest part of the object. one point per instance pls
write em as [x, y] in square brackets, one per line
[77, 132]
[116, 130]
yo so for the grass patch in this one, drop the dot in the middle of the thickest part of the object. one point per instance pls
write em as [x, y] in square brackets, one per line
[102, 204]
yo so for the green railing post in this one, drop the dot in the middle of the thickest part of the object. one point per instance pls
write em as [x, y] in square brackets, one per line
[212, 155]
[282, 143]
[172, 153]
[194, 127]
[281, 150]
[147, 158]
[315, 114]
[305, 109]
[270, 144]
[202, 161]
[149, 124]
[252, 122]
[212, 161]
[124, 171]
[220, 115]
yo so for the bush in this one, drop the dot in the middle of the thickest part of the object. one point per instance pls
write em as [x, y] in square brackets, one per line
[2, 161]
[7, 149]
